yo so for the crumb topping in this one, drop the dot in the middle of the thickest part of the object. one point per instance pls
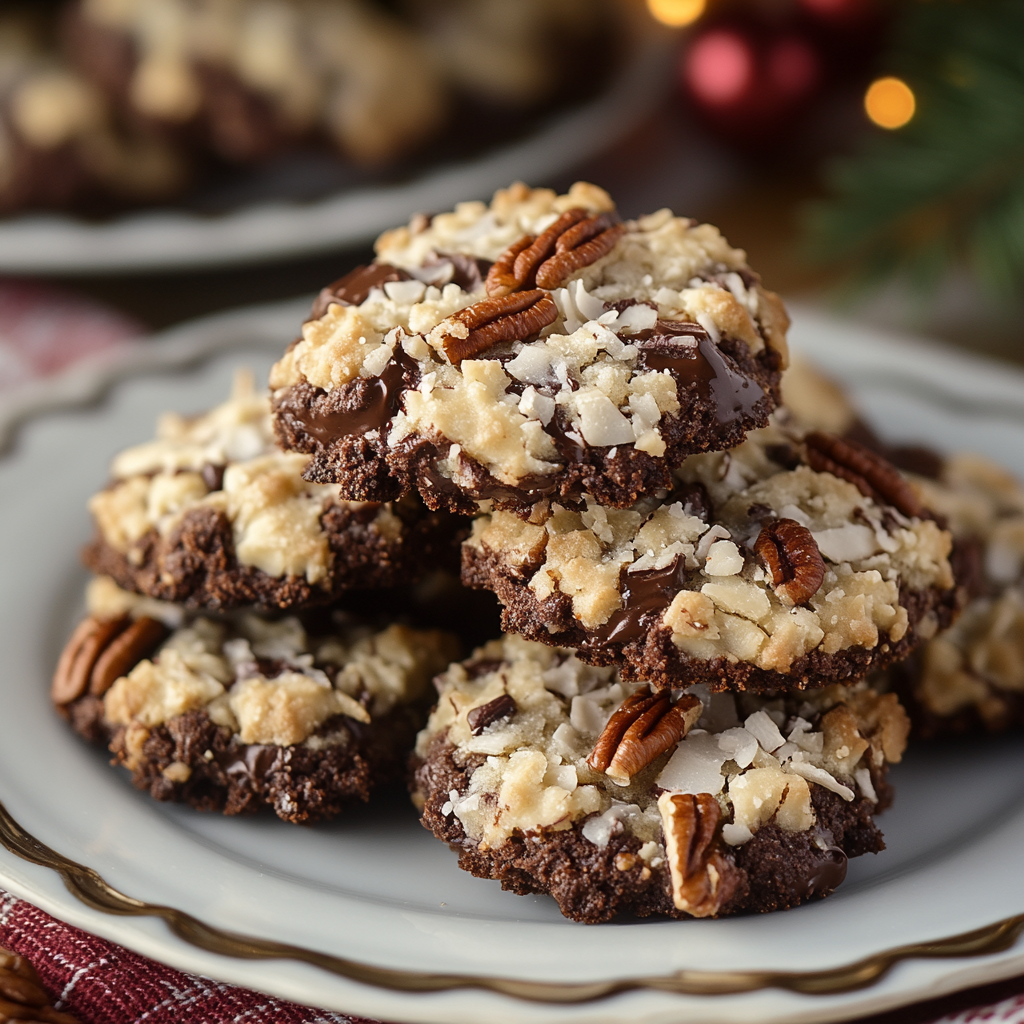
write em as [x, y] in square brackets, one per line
[757, 756]
[586, 365]
[725, 604]
[269, 681]
[226, 460]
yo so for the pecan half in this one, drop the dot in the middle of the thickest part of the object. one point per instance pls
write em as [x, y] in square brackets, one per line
[703, 881]
[124, 652]
[493, 711]
[872, 475]
[640, 730]
[101, 651]
[584, 244]
[790, 554]
[22, 997]
[87, 643]
[575, 240]
[492, 321]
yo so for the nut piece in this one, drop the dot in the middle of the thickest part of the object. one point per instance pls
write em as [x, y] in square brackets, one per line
[516, 267]
[492, 321]
[790, 553]
[80, 655]
[703, 881]
[493, 711]
[575, 240]
[22, 997]
[591, 239]
[124, 652]
[501, 278]
[640, 730]
[872, 475]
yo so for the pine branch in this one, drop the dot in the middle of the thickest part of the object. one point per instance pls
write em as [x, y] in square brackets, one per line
[949, 185]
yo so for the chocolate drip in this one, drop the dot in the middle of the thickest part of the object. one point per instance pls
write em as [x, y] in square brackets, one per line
[702, 365]
[362, 405]
[828, 874]
[355, 286]
[644, 594]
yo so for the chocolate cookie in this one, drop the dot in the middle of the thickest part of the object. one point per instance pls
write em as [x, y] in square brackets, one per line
[231, 713]
[555, 777]
[535, 349]
[213, 515]
[250, 81]
[63, 146]
[971, 676]
[790, 561]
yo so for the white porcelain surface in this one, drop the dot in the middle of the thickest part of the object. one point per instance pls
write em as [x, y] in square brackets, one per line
[374, 886]
[178, 239]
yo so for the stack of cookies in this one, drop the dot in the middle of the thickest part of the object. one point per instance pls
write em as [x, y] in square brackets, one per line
[694, 587]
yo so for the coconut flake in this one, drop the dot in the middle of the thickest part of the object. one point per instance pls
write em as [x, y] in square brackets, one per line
[736, 835]
[865, 785]
[821, 777]
[848, 543]
[739, 744]
[600, 829]
[764, 730]
[696, 766]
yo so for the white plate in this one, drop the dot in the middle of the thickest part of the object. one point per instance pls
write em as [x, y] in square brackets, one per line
[180, 240]
[374, 896]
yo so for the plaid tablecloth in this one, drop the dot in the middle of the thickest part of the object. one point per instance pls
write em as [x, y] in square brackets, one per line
[43, 331]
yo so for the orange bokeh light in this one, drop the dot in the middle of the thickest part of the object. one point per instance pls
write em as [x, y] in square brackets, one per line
[890, 102]
[676, 13]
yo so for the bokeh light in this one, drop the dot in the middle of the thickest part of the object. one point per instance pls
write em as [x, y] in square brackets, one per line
[720, 67]
[890, 102]
[676, 12]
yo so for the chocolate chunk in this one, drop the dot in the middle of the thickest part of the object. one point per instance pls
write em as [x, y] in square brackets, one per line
[355, 286]
[213, 475]
[467, 272]
[487, 714]
[644, 595]
[917, 459]
[695, 500]
[784, 454]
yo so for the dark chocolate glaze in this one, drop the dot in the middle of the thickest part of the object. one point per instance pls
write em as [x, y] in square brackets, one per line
[373, 401]
[355, 286]
[644, 594]
[704, 366]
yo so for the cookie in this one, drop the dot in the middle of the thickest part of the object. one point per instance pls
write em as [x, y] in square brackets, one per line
[250, 81]
[789, 561]
[230, 713]
[970, 677]
[212, 514]
[63, 147]
[552, 776]
[537, 349]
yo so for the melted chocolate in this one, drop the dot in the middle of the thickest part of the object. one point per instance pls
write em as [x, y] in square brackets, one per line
[468, 272]
[644, 594]
[703, 365]
[253, 762]
[365, 404]
[354, 287]
[828, 874]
